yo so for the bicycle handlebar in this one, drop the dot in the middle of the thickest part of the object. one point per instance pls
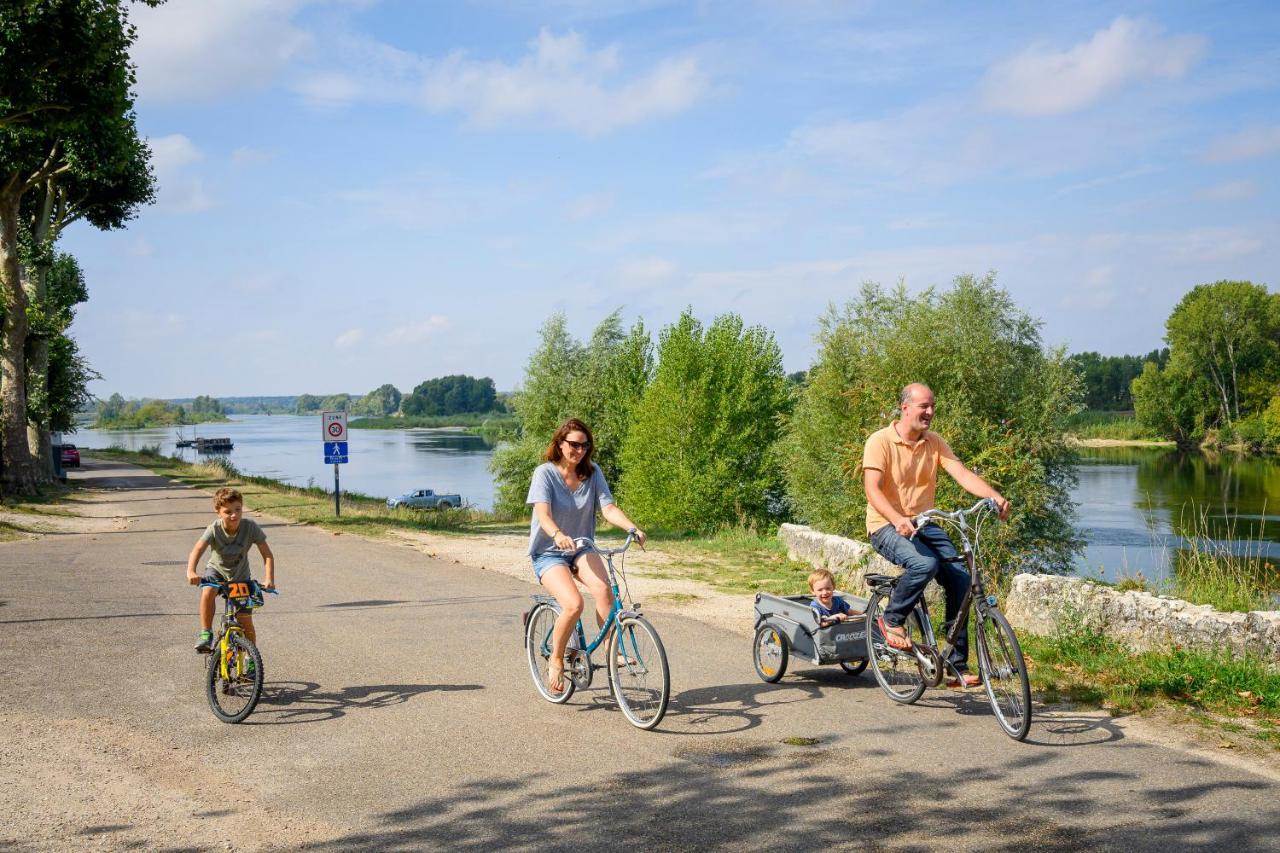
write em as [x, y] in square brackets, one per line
[591, 543]
[987, 504]
[222, 586]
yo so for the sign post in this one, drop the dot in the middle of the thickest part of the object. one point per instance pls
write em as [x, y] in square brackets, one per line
[333, 428]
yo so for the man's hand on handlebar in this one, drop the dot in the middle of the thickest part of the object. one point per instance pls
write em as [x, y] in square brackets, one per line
[905, 527]
[1002, 506]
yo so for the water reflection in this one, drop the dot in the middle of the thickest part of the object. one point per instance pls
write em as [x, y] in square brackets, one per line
[289, 448]
[1139, 505]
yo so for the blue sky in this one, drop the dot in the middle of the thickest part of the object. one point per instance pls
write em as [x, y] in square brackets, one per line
[356, 192]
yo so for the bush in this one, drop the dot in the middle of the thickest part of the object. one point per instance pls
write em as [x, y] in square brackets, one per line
[1003, 405]
[599, 382]
[700, 451]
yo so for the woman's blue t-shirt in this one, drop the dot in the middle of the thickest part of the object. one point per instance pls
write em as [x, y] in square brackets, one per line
[574, 512]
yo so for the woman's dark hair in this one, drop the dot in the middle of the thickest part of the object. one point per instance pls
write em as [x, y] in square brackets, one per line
[555, 454]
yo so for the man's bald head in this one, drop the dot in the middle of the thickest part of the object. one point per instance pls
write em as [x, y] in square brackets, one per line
[913, 391]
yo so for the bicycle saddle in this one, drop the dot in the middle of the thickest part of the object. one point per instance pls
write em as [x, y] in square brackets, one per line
[881, 580]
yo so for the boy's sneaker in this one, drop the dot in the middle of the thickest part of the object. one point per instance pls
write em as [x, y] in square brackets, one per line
[204, 642]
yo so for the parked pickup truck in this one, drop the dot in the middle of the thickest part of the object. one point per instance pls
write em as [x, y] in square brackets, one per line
[425, 499]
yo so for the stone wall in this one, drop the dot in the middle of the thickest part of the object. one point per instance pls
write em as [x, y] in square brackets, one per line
[848, 559]
[1040, 604]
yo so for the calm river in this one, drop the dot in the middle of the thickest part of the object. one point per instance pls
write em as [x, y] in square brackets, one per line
[1134, 504]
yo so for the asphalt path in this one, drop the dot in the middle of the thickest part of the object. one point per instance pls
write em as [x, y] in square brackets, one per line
[399, 714]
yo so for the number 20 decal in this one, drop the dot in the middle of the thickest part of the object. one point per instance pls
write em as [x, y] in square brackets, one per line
[238, 590]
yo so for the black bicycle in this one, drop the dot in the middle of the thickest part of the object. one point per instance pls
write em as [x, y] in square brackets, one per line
[904, 674]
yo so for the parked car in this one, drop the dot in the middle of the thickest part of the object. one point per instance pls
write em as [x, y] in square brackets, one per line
[425, 499]
[70, 456]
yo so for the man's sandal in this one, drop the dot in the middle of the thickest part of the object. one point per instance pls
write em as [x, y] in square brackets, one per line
[897, 633]
[967, 679]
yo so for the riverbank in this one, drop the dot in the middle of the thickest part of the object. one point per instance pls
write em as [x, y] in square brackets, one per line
[711, 579]
[480, 423]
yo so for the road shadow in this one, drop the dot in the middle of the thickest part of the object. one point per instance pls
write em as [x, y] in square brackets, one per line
[765, 796]
[292, 702]
[1048, 727]
[730, 708]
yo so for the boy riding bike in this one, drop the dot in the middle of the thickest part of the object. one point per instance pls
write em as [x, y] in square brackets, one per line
[229, 538]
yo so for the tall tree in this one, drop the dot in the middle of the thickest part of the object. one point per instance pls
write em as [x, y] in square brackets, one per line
[701, 448]
[67, 131]
[1003, 403]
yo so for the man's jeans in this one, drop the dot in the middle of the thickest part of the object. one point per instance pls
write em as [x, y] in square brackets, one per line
[924, 556]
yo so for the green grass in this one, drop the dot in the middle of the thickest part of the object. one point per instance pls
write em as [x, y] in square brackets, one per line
[734, 560]
[1082, 665]
[1122, 426]
[1208, 572]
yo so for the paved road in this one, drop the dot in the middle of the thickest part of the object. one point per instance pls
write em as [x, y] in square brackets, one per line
[400, 716]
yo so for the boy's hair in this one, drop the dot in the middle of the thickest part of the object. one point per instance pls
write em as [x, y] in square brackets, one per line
[821, 574]
[225, 497]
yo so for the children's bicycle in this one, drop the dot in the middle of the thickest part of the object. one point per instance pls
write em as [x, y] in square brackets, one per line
[636, 661]
[904, 674]
[233, 678]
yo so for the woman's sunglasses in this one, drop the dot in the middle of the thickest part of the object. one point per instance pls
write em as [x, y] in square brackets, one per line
[577, 445]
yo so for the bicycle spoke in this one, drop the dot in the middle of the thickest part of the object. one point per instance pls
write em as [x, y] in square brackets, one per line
[1004, 674]
[638, 672]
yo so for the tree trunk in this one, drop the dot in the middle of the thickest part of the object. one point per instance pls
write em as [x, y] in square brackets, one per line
[19, 468]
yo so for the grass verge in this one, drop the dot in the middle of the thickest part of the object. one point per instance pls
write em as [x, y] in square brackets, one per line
[311, 505]
[1082, 666]
[733, 560]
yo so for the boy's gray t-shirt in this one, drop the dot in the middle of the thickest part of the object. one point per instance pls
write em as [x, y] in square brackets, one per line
[574, 512]
[229, 555]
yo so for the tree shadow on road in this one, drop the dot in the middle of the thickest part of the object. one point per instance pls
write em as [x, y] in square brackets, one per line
[759, 795]
[291, 702]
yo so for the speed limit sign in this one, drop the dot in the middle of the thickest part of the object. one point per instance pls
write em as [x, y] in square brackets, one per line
[333, 426]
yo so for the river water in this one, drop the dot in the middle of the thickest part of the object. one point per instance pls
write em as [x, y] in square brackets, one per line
[1135, 504]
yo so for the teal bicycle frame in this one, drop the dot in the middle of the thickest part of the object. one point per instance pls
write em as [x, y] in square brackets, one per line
[615, 613]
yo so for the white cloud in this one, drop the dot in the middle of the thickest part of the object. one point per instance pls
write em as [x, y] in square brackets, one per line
[207, 49]
[1229, 191]
[349, 338]
[417, 331]
[1246, 145]
[1041, 81]
[643, 273]
[179, 191]
[563, 83]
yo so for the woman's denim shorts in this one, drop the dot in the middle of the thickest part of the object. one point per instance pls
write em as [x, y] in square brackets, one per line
[555, 557]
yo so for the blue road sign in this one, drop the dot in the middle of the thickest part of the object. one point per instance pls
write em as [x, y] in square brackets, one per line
[335, 452]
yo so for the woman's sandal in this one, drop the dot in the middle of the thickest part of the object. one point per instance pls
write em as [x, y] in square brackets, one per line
[555, 675]
[898, 633]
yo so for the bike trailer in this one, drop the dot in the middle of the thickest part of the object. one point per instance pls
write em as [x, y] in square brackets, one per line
[792, 617]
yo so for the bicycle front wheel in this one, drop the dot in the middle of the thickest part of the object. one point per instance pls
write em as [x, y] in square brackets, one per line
[234, 679]
[898, 672]
[537, 645]
[638, 672]
[1004, 674]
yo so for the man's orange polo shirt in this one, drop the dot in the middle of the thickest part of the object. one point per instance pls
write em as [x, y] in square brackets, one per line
[910, 471]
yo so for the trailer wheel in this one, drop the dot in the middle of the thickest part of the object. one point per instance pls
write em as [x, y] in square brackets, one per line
[854, 667]
[769, 651]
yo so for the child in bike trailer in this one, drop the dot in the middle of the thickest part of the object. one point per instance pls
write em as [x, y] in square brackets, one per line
[228, 538]
[826, 604]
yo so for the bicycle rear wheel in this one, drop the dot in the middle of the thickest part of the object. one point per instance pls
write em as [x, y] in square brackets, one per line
[1004, 674]
[638, 672]
[537, 646]
[234, 679]
[898, 672]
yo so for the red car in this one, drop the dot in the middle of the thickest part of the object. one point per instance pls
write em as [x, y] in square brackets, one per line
[70, 456]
